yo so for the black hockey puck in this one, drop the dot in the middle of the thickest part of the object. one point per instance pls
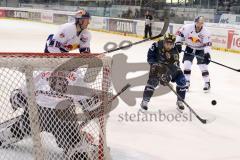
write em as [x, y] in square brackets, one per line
[214, 102]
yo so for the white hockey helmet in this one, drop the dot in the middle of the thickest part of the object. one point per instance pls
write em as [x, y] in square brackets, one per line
[82, 14]
[199, 19]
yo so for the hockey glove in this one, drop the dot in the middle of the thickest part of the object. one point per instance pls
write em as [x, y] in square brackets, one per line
[165, 79]
[178, 46]
[157, 69]
[207, 58]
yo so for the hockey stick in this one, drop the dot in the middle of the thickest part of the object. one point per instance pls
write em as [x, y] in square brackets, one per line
[204, 121]
[163, 31]
[237, 70]
[12, 120]
[89, 115]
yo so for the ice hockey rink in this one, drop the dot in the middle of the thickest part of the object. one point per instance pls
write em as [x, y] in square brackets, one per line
[157, 140]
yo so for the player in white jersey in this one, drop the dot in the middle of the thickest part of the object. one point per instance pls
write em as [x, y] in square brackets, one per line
[71, 36]
[198, 44]
[50, 90]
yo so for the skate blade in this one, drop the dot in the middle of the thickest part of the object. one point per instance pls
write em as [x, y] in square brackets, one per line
[142, 110]
[146, 111]
[206, 91]
[179, 110]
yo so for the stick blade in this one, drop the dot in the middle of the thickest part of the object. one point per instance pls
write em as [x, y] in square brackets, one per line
[207, 121]
[204, 121]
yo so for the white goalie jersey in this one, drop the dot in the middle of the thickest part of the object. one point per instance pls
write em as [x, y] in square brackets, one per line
[195, 40]
[47, 97]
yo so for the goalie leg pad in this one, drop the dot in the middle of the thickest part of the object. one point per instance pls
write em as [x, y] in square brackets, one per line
[16, 131]
[82, 150]
[22, 128]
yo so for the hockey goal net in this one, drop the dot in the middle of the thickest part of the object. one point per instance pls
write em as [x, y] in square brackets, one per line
[48, 104]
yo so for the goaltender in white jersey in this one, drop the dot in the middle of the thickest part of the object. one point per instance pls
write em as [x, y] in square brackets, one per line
[198, 44]
[66, 131]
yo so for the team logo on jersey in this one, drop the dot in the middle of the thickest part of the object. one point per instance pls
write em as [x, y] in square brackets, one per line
[194, 39]
[69, 47]
[70, 76]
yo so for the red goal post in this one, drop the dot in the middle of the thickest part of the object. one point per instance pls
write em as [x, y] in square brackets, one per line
[20, 70]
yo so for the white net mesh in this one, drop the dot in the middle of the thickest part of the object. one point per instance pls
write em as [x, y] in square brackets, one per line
[53, 106]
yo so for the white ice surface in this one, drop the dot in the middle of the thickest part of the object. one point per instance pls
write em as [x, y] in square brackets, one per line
[219, 140]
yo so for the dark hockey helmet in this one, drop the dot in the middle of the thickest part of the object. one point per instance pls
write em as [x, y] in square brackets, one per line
[168, 37]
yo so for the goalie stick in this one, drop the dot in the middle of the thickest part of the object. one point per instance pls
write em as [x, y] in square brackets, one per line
[204, 121]
[163, 31]
[237, 70]
[85, 117]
